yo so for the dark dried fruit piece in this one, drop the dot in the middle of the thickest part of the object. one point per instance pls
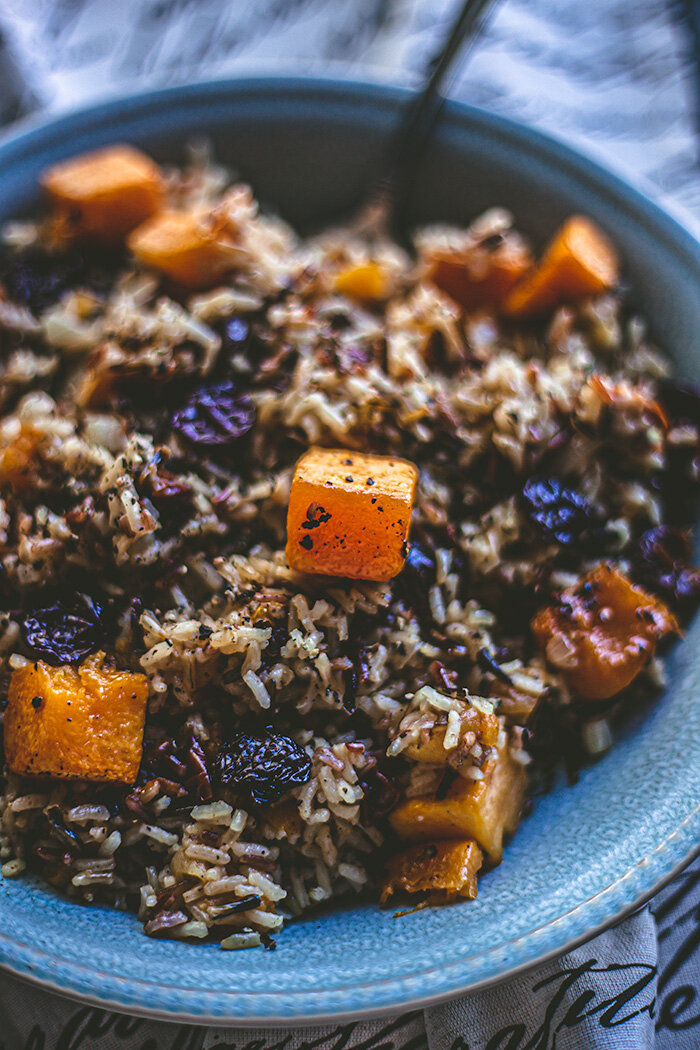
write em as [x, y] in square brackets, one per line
[662, 564]
[236, 335]
[66, 631]
[380, 789]
[215, 416]
[175, 758]
[264, 765]
[559, 513]
[38, 279]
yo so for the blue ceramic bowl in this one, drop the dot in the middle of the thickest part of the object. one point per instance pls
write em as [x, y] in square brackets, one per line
[588, 853]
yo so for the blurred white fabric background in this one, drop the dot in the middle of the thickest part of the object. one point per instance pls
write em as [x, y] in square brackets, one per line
[615, 76]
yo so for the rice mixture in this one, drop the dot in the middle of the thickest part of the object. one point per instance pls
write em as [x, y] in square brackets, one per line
[319, 721]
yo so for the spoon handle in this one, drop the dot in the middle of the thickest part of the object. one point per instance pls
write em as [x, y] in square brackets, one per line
[384, 205]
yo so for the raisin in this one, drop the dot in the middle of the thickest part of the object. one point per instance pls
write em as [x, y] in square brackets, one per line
[66, 631]
[661, 563]
[380, 789]
[38, 279]
[215, 416]
[560, 514]
[264, 765]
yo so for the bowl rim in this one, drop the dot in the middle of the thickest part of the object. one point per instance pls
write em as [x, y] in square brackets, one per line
[470, 973]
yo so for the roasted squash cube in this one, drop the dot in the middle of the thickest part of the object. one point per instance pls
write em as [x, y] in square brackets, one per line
[578, 262]
[186, 246]
[83, 723]
[18, 463]
[602, 632]
[367, 281]
[349, 514]
[446, 871]
[283, 819]
[475, 726]
[483, 809]
[486, 285]
[107, 193]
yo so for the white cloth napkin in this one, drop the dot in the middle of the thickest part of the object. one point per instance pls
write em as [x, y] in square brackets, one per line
[615, 78]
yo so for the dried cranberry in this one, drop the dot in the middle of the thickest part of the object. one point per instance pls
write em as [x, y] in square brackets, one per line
[66, 631]
[175, 758]
[661, 564]
[559, 513]
[380, 789]
[38, 279]
[264, 765]
[215, 416]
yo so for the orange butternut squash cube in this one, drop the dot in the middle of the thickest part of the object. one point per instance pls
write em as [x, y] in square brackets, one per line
[367, 281]
[602, 632]
[107, 193]
[483, 287]
[349, 514]
[430, 746]
[578, 262]
[18, 462]
[444, 870]
[284, 820]
[82, 723]
[185, 246]
[477, 809]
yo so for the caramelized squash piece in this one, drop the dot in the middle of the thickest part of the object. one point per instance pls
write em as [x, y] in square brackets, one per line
[83, 723]
[349, 514]
[18, 463]
[185, 246]
[444, 870]
[484, 286]
[284, 820]
[479, 809]
[107, 193]
[601, 633]
[430, 747]
[365, 282]
[578, 262]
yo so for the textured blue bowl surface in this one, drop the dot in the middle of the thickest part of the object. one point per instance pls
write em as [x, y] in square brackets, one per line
[588, 853]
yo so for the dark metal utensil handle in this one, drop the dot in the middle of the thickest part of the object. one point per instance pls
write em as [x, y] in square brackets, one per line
[386, 201]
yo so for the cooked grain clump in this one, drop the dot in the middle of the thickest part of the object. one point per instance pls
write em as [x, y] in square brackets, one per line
[158, 388]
